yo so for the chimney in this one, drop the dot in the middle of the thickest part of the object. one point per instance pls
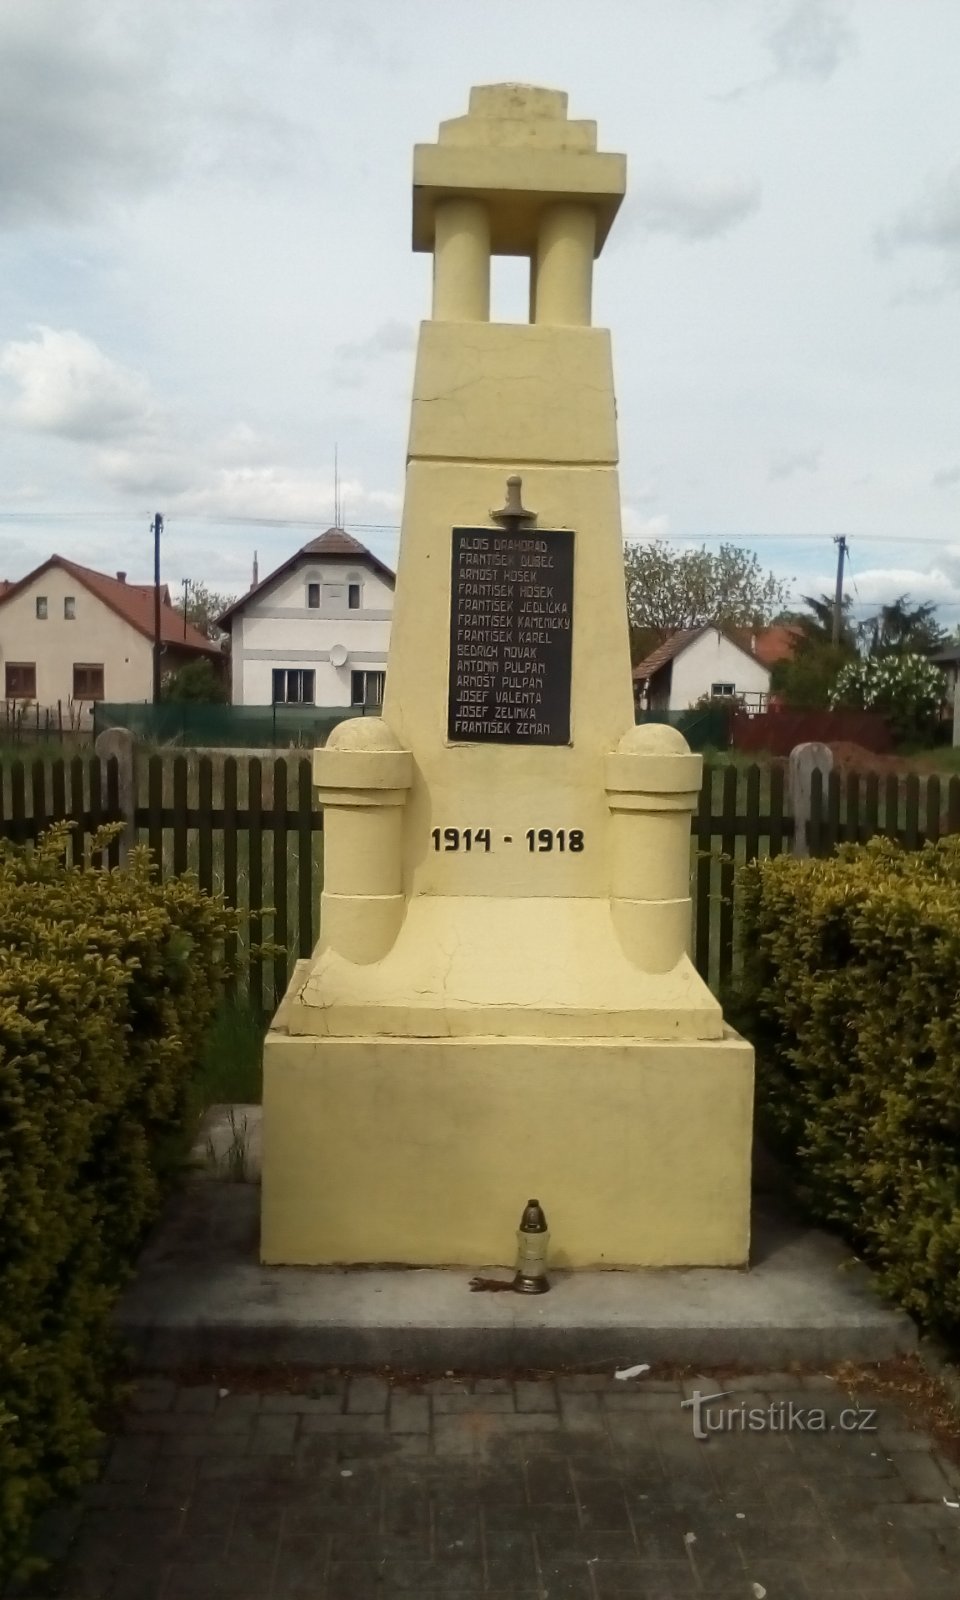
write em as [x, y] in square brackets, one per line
[256, 571]
[121, 577]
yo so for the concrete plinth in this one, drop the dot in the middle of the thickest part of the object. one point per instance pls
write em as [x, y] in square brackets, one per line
[201, 1297]
[424, 1151]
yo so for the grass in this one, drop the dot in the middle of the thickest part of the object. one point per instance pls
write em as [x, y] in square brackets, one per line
[231, 1067]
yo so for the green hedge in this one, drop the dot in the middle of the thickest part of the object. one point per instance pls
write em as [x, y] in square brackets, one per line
[851, 993]
[108, 982]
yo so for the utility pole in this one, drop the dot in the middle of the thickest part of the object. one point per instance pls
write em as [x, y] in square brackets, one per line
[157, 530]
[841, 545]
[186, 591]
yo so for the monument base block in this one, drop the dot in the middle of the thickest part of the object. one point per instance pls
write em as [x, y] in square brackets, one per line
[423, 1152]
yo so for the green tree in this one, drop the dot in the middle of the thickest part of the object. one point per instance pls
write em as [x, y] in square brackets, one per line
[668, 589]
[817, 621]
[805, 682]
[196, 681]
[900, 629]
[204, 606]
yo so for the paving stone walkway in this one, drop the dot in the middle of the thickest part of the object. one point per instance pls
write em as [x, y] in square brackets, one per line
[583, 1488]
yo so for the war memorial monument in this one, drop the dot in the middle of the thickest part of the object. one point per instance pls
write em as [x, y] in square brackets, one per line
[502, 1002]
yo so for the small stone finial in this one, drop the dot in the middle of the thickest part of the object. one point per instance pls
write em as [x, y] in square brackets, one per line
[513, 514]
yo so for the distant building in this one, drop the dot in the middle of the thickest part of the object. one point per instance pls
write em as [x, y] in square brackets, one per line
[316, 630]
[70, 636]
[696, 664]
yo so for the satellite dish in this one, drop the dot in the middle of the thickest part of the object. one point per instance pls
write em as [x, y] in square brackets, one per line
[338, 655]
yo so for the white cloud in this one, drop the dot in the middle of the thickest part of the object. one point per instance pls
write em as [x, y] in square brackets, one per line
[280, 492]
[389, 338]
[946, 478]
[691, 208]
[66, 385]
[644, 529]
[933, 220]
[807, 41]
[84, 110]
[785, 463]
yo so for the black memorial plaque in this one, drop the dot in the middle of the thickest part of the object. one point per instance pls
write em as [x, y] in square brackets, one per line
[511, 633]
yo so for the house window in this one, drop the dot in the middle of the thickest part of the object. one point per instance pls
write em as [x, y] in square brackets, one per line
[69, 607]
[353, 596]
[21, 680]
[87, 680]
[313, 596]
[366, 688]
[722, 691]
[293, 686]
[41, 608]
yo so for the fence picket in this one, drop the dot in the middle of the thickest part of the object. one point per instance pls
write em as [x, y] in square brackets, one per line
[833, 812]
[205, 824]
[931, 821]
[255, 885]
[18, 802]
[891, 806]
[38, 797]
[180, 838]
[58, 790]
[230, 850]
[95, 800]
[851, 826]
[752, 819]
[703, 874]
[78, 839]
[305, 855]
[912, 809]
[816, 830]
[155, 811]
[776, 810]
[113, 807]
[953, 805]
[728, 846]
[281, 931]
[871, 806]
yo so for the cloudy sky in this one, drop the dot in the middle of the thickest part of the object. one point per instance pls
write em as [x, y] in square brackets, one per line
[206, 279]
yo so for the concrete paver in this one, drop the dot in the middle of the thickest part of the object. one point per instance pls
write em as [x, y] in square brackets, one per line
[576, 1488]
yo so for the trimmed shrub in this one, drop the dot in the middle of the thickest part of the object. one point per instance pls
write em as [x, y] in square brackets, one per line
[108, 983]
[851, 993]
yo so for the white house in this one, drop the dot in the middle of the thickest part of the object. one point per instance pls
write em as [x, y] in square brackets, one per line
[699, 663]
[315, 632]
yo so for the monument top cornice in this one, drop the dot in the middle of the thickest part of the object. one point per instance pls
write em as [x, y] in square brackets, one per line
[517, 151]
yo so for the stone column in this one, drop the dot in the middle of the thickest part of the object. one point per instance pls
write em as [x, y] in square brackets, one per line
[461, 262]
[563, 266]
[362, 778]
[653, 783]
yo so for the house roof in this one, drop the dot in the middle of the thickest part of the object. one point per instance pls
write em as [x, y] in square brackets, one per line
[675, 646]
[131, 601]
[776, 643]
[665, 652]
[335, 544]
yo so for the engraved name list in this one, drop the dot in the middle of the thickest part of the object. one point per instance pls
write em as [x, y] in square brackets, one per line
[511, 633]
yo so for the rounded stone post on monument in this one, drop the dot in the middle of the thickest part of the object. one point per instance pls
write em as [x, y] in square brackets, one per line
[563, 267]
[461, 261]
[362, 778]
[653, 782]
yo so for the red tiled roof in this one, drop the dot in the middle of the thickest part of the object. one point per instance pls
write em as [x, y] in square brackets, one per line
[776, 643]
[665, 652]
[131, 601]
[335, 542]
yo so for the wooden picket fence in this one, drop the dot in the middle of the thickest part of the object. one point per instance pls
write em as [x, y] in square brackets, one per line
[252, 830]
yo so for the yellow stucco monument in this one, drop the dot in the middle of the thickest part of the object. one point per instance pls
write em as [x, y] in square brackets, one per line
[502, 1003]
